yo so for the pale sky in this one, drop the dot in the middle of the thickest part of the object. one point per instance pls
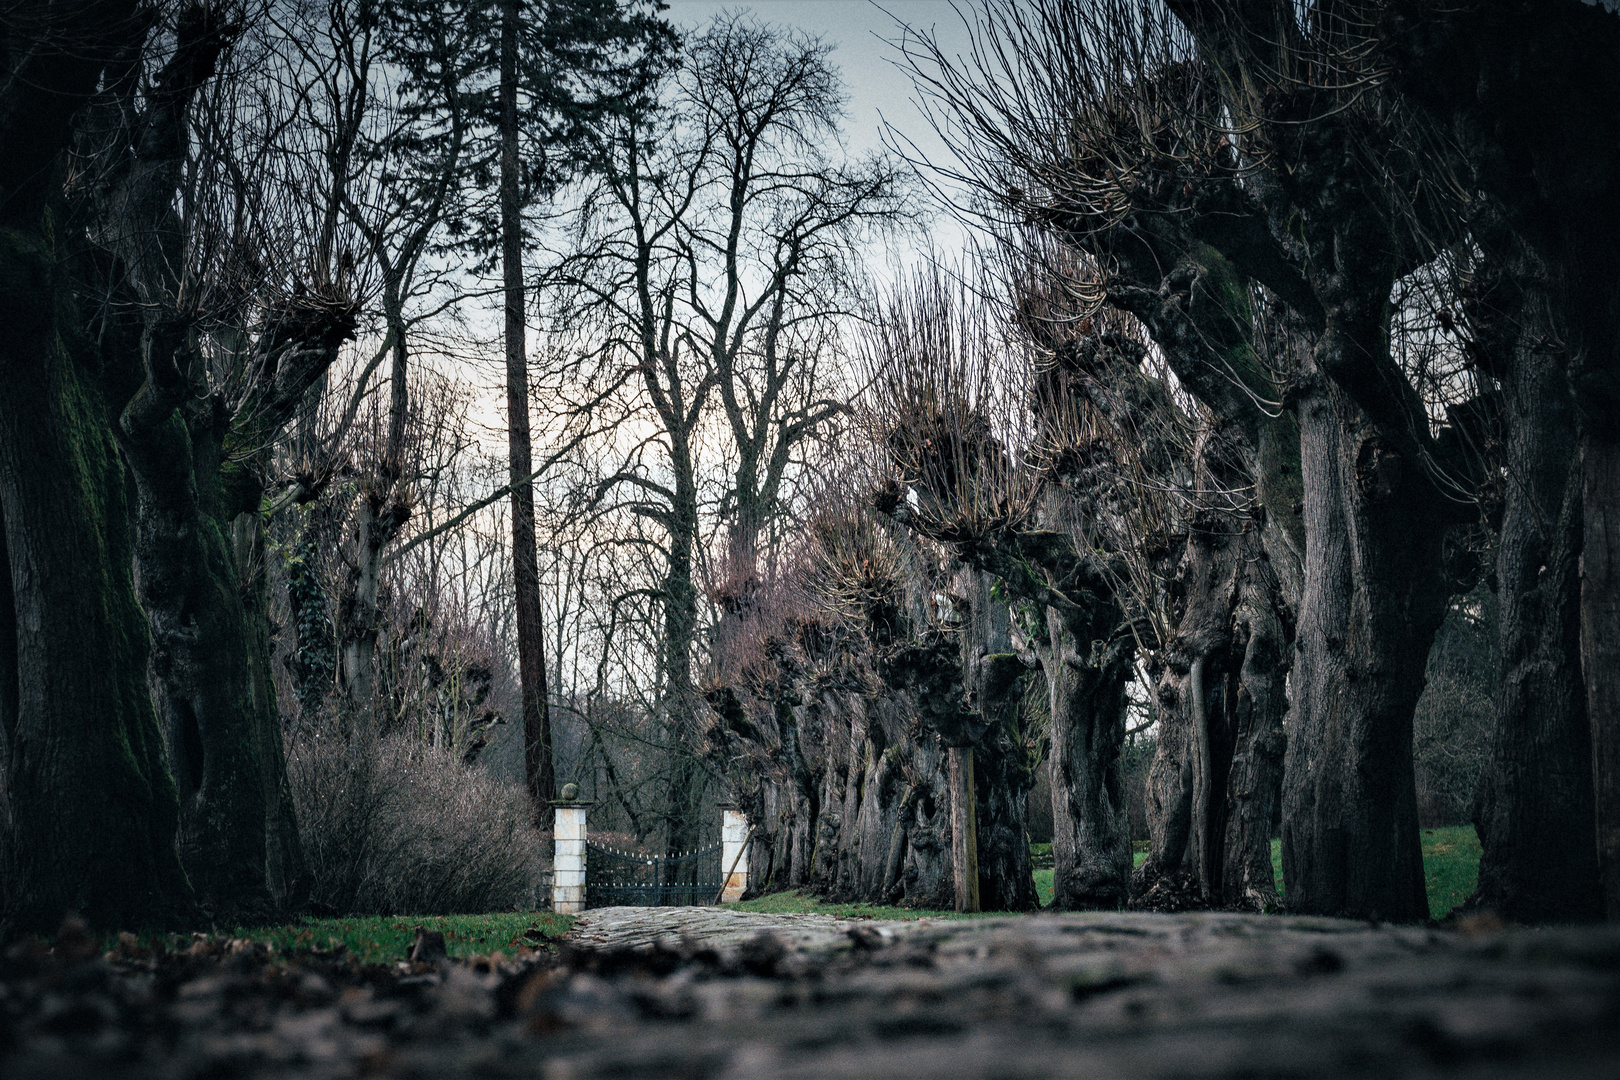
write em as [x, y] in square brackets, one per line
[879, 91]
[860, 31]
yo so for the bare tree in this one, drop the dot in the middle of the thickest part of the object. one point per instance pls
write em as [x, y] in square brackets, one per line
[710, 251]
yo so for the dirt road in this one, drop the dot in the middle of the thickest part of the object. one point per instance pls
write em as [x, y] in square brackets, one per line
[708, 993]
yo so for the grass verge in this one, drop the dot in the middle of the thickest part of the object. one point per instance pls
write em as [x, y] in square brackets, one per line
[379, 939]
[1450, 866]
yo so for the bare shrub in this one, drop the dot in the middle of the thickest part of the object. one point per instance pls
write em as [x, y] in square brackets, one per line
[396, 827]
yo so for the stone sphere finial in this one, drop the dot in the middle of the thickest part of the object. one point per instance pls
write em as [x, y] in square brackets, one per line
[570, 792]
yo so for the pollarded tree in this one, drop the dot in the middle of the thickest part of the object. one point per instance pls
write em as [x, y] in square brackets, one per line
[90, 807]
[1086, 143]
[229, 339]
[1526, 95]
[1288, 161]
[977, 435]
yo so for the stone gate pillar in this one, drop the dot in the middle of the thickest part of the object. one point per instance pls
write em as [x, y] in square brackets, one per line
[733, 854]
[568, 862]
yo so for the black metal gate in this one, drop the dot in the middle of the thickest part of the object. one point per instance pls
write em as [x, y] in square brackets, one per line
[614, 878]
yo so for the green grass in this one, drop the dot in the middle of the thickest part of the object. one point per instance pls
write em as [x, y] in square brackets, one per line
[1043, 885]
[1450, 866]
[383, 939]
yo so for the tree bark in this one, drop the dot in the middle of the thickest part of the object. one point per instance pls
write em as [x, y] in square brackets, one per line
[928, 877]
[680, 635]
[1003, 771]
[222, 730]
[383, 512]
[964, 829]
[1540, 851]
[1372, 601]
[1187, 783]
[1600, 650]
[93, 808]
[1254, 782]
[1491, 75]
[1087, 667]
[537, 751]
[1002, 781]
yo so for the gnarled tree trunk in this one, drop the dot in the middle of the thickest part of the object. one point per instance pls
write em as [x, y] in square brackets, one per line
[207, 624]
[1539, 845]
[1372, 601]
[90, 807]
[1087, 662]
[1254, 783]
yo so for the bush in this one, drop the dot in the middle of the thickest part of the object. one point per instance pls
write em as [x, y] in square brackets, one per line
[395, 827]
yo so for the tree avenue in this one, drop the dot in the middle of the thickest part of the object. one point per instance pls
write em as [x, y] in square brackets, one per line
[1283, 360]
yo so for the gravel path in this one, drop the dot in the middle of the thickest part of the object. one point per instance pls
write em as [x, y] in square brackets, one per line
[644, 928]
[706, 993]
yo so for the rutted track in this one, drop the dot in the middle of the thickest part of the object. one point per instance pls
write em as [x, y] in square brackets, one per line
[714, 993]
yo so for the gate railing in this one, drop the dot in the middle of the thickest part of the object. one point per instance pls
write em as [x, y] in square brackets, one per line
[614, 878]
[587, 874]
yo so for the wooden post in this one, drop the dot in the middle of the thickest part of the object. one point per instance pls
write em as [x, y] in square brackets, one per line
[964, 829]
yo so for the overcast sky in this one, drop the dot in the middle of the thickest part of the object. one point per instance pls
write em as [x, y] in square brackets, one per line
[861, 32]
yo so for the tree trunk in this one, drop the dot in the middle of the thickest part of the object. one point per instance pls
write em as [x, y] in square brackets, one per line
[1087, 666]
[928, 876]
[220, 723]
[360, 619]
[1002, 780]
[93, 808]
[286, 872]
[1168, 790]
[1254, 782]
[1539, 861]
[1003, 774]
[1186, 789]
[537, 755]
[879, 813]
[1372, 601]
[314, 656]
[1600, 649]
[382, 513]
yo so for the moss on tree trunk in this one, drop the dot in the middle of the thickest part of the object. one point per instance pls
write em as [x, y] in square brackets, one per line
[93, 809]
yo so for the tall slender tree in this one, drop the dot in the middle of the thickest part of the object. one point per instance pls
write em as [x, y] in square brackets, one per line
[577, 61]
